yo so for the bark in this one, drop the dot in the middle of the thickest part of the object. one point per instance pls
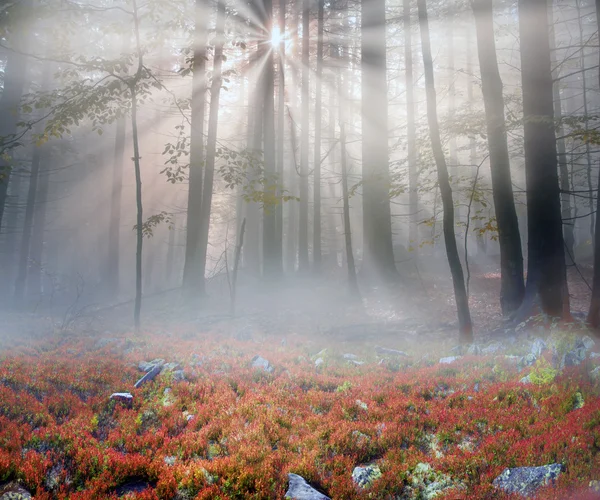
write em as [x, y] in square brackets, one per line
[303, 263]
[460, 293]
[411, 135]
[546, 274]
[112, 267]
[512, 287]
[280, 149]
[563, 165]
[13, 87]
[137, 309]
[193, 279]
[378, 260]
[211, 143]
[272, 264]
[593, 317]
[317, 251]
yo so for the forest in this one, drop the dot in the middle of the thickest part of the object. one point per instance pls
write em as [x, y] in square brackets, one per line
[303, 249]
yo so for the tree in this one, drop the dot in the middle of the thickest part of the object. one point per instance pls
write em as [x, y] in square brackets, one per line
[512, 287]
[546, 271]
[193, 277]
[378, 251]
[460, 292]
[304, 147]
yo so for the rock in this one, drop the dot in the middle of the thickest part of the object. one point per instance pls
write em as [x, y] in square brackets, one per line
[493, 348]
[512, 359]
[52, 479]
[360, 437]
[594, 486]
[299, 489]
[262, 363]
[319, 362]
[426, 483]
[170, 460]
[132, 485]
[350, 356]
[528, 359]
[384, 351]
[123, 397]
[364, 476]
[526, 480]
[171, 367]
[355, 362]
[476, 387]
[146, 366]
[576, 356]
[190, 417]
[538, 347]
[13, 491]
[178, 375]
[474, 349]
[525, 380]
[595, 374]
[151, 375]
[594, 355]
[361, 405]
[449, 359]
[588, 342]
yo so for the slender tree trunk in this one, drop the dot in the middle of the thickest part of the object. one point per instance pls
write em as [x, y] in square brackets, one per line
[378, 259]
[193, 279]
[280, 134]
[114, 229]
[15, 72]
[546, 272]
[563, 165]
[317, 251]
[38, 231]
[28, 223]
[593, 317]
[411, 135]
[137, 310]
[303, 263]
[512, 288]
[211, 143]
[170, 260]
[460, 292]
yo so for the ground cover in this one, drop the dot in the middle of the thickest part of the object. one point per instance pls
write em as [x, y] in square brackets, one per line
[232, 426]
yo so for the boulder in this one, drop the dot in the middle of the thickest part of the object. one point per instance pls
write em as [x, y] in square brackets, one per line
[13, 491]
[526, 480]
[123, 397]
[151, 375]
[493, 348]
[299, 489]
[449, 359]
[588, 342]
[146, 366]
[262, 363]
[384, 351]
[576, 356]
[319, 362]
[538, 347]
[426, 483]
[364, 476]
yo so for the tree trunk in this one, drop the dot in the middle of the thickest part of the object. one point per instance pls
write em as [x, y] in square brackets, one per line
[546, 272]
[280, 135]
[14, 83]
[317, 251]
[272, 264]
[137, 310]
[193, 277]
[411, 135]
[460, 293]
[378, 259]
[114, 229]
[303, 263]
[593, 317]
[512, 288]
[211, 143]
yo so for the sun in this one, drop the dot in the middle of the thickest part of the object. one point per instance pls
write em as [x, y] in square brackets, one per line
[276, 37]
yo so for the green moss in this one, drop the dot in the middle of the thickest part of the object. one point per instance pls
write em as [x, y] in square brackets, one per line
[542, 373]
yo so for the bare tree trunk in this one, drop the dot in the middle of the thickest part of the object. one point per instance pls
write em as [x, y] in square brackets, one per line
[460, 292]
[411, 135]
[546, 272]
[378, 259]
[193, 279]
[15, 72]
[280, 134]
[303, 263]
[317, 251]
[211, 143]
[593, 317]
[512, 288]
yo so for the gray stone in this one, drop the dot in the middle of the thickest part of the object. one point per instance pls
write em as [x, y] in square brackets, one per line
[350, 356]
[575, 357]
[146, 366]
[171, 367]
[493, 348]
[538, 347]
[595, 374]
[355, 362]
[13, 491]
[262, 363]
[449, 359]
[364, 476]
[122, 397]
[528, 360]
[525, 380]
[170, 460]
[151, 375]
[384, 351]
[594, 355]
[178, 375]
[474, 349]
[319, 362]
[299, 489]
[588, 342]
[526, 480]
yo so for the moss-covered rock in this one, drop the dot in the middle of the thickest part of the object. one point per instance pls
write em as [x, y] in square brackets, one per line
[527, 480]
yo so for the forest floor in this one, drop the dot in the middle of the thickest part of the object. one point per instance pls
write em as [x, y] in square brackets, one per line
[303, 382]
